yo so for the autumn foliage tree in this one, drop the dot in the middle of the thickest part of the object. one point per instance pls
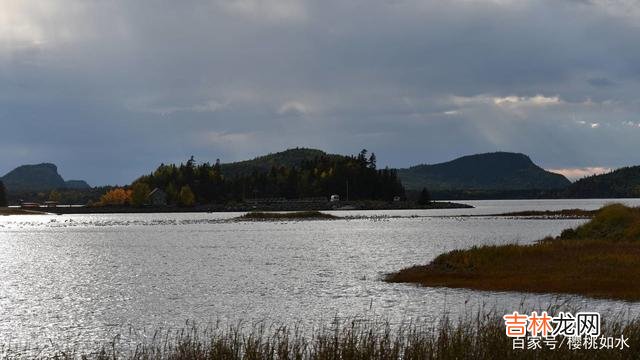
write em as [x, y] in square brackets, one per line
[117, 196]
[186, 197]
[139, 193]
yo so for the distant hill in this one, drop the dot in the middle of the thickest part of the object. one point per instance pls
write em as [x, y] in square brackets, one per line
[623, 182]
[76, 185]
[490, 171]
[288, 158]
[40, 177]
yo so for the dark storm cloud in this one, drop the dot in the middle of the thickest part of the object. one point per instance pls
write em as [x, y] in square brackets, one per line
[108, 90]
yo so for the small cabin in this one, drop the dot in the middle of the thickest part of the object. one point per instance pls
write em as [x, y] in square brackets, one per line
[157, 197]
[334, 198]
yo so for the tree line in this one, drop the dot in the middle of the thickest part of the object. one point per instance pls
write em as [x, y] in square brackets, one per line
[620, 183]
[350, 177]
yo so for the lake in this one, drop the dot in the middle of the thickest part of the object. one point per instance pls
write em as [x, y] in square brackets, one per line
[79, 280]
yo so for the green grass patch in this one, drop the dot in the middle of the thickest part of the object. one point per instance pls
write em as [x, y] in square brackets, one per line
[598, 259]
[298, 215]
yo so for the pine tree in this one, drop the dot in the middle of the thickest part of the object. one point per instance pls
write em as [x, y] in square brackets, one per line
[362, 158]
[372, 161]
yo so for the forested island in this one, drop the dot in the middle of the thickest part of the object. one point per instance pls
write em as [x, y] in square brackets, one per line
[297, 180]
[349, 177]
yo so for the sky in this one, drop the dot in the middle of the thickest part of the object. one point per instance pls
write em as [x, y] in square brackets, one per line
[109, 89]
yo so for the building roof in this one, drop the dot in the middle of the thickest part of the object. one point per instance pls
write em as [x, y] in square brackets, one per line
[156, 191]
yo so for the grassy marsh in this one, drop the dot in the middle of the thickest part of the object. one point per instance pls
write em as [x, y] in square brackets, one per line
[479, 336]
[598, 259]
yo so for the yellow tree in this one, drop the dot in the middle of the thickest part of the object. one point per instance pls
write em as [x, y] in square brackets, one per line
[186, 197]
[139, 193]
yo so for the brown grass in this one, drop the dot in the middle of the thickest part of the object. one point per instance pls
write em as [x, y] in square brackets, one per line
[598, 259]
[480, 335]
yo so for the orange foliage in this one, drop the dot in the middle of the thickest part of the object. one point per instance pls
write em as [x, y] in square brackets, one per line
[117, 196]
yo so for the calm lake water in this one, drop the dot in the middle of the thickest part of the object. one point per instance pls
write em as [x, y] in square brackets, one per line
[79, 280]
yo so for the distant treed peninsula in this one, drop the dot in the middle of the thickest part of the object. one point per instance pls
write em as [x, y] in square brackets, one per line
[310, 173]
[292, 174]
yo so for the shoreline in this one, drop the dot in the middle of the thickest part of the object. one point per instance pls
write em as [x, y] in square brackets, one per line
[266, 207]
[596, 259]
[565, 214]
[6, 211]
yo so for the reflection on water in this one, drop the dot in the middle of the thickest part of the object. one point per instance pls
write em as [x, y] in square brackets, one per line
[81, 279]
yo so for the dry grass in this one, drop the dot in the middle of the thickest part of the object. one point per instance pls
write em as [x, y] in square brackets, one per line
[599, 259]
[299, 215]
[479, 336]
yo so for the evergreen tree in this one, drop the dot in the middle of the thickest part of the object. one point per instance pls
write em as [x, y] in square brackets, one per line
[362, 158]
[191, 163]
[372, 161]
[425, 197]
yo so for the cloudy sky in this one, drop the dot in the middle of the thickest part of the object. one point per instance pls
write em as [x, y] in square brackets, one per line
[108, 89]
